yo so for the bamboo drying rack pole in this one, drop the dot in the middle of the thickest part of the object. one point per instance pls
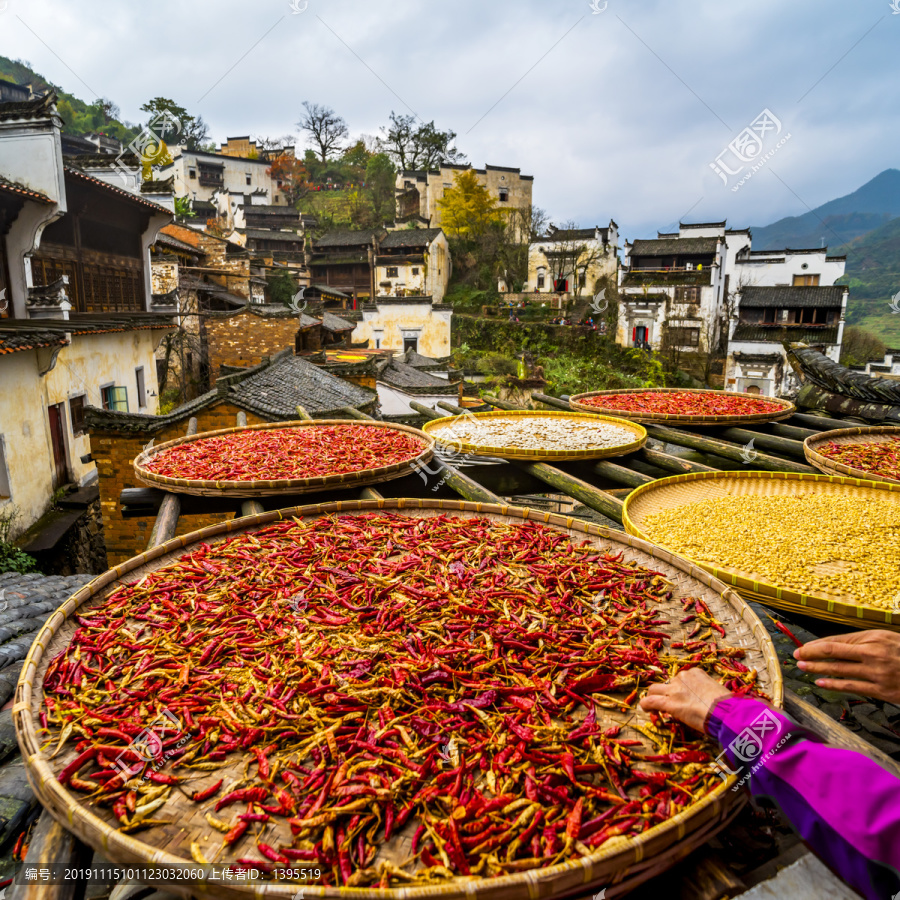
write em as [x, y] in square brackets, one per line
[249, 507]
[784, 446]
[466, 487]
[303, 414]
[585, 493]
[170, 509]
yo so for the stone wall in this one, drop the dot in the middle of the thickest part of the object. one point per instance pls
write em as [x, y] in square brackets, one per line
[114, 454]
[246, 339]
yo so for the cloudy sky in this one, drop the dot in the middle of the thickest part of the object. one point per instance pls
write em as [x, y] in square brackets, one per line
[617, 112]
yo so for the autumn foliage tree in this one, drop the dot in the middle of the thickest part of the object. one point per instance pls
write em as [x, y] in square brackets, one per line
[468, 209]
[291, 177]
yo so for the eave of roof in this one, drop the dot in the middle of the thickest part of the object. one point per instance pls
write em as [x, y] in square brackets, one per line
[19, 190]
[126, 195]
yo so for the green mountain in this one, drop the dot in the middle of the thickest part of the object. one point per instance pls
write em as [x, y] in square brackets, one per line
[873, 274]
[78, 117]
[839, 221]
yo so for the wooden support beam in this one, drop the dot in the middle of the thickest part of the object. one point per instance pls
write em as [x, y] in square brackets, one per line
[579, 490]
[669, 463]
[724, 449]
[356, 414]
[500, 404]
[820, 421]
[619, 474]
[369, 493]
[303, 414]
[791, 431]
[781, 445]
[166, 523]
[466, 487]
[551, 401]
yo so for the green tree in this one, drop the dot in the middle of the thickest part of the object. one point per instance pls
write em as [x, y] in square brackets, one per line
[380, 178]
[418, 146]
[860, 346]
[468, 207]
[190, 130]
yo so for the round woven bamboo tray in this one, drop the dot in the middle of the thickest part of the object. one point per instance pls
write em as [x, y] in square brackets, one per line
[577, 402]
[620, 860]
[639, 437]
[261, 488]
[864, 435]
[680, 490]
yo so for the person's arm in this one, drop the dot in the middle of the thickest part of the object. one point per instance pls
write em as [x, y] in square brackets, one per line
[843, 805]
[862, 662]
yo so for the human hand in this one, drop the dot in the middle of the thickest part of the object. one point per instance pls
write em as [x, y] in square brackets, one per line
[862, 662]
[689, 696]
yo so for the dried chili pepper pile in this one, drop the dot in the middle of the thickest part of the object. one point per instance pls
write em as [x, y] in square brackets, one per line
[881, 458]
[684, 403]
[442, 677]
[278, 453]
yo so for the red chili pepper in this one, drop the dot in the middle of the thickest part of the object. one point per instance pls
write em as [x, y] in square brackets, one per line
[206, 793]
[787, 631]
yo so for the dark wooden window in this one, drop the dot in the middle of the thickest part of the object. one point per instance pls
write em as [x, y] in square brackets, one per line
[392, 272]
[769, 316]
[684, 337]
[76, 414]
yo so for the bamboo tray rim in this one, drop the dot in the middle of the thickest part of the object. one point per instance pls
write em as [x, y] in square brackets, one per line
[815, 605]
[623, 852]
[786, 411]
[522, 453]
[832, 467]
[263, 487]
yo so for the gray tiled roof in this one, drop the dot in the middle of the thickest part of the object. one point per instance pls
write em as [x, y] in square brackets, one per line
[805, 334]
[347, 238]
[410, 237]
[263, 234]
[828, 297]
[336, 323]
[400, 375]
[675, 247]
[277, 390]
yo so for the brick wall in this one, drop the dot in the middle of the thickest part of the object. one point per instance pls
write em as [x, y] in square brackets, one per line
[245, 339]
[114, 454]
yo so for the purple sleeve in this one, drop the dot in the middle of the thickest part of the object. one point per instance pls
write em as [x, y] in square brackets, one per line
[844, 805]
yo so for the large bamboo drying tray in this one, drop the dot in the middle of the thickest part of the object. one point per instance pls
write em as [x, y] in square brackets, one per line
[577, 402]
[621, 859]
[639, 437]
[680, 490]
[285, 485]
[875, 434]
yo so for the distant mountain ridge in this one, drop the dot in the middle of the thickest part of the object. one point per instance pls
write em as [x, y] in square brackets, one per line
[837, 222]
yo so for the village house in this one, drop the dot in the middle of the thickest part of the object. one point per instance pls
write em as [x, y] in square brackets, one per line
[77, 326]
[695, 293]
[345, 260]
[201, 175]
[405, 323]
[244, 148]
[419, 193]
[573, 261]
[413, 262]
